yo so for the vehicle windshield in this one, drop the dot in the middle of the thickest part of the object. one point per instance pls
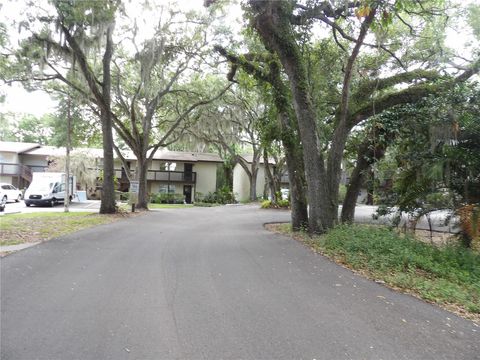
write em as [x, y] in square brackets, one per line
[42, 187]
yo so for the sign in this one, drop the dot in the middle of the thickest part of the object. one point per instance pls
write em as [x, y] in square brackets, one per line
[133, 198]
[134, 185]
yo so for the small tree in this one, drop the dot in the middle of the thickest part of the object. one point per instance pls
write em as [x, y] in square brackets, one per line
[84, 166]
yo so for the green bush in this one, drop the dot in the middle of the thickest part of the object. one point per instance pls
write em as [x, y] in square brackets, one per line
[266, 204]
[281, 204]
[164, 198]
[199, 196]
[221, 196]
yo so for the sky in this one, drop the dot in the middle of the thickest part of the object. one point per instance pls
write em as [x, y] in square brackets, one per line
[39, 103]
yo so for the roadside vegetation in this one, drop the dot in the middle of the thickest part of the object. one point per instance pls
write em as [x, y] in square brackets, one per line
[38, 227]
[169, 206]
[448, 276]
[279, 204]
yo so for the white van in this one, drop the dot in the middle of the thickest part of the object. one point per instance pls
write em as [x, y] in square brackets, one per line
[48, 188]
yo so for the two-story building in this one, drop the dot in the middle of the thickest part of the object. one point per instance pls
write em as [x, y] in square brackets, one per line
[174, 172]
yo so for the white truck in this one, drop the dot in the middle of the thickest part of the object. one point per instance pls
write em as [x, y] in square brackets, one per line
[48, 188]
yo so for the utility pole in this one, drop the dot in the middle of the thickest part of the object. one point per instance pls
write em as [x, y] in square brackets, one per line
[67, 159]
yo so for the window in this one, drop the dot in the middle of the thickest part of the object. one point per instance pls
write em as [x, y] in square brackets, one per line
[164, 189]
[170, 166]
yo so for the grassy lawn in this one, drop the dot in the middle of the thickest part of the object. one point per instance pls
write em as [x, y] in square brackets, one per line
[449, 276]
[34, 227]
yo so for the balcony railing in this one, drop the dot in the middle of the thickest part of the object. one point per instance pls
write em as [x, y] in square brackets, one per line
[165, 176]
[16, 170]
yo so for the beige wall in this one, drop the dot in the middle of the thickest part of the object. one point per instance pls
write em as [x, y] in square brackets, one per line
[6, 179]
[34, 160]
[241, 185]
[9, 157]
[206, 180]
[206, 177]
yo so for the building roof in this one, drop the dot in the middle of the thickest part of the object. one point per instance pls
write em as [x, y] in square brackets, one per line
[60, 151]
[17, 147]
[182, 156]
[161, 154]
[249, 158]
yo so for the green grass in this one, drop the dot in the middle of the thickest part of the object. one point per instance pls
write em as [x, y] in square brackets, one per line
[203, 204]
[446, 275]
[34, 227]
[169, 206]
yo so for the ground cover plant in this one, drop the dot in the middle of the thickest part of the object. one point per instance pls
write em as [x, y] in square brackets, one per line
[447, 275]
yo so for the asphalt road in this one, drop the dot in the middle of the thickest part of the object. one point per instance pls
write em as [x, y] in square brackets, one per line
[209, 283]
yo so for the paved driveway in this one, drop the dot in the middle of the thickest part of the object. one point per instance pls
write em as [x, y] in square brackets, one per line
[209, 283]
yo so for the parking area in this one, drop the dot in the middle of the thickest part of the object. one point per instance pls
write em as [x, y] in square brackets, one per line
[20, 207]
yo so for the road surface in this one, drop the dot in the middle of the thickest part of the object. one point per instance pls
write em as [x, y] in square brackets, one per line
[209, 283]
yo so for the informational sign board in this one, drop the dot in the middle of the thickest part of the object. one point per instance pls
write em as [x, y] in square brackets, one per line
[134, 185]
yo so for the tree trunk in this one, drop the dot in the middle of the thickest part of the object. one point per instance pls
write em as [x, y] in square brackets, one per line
[272, 185]
[107, 205]
[142, 171]
[367, 155]
[228, 173]
[296, 173]
[340, 134]
[272, 24]
[108, 196]
[253, 183]
[66, 202]
[298, 200]
[353, 190]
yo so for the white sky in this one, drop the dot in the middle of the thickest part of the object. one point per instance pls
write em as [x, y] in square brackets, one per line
[39, 103]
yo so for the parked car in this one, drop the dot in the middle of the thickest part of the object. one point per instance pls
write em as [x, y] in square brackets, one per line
[9, 193]
[2, 204]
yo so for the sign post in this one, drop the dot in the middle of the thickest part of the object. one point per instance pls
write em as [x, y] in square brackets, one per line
[133, 199]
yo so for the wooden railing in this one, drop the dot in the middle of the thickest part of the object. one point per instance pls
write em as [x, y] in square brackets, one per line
[165, 176]
[16, 170]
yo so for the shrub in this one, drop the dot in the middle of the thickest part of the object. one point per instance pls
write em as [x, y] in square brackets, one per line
[266, 204]
[164, 198]
[281, 204]
[221, 196]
